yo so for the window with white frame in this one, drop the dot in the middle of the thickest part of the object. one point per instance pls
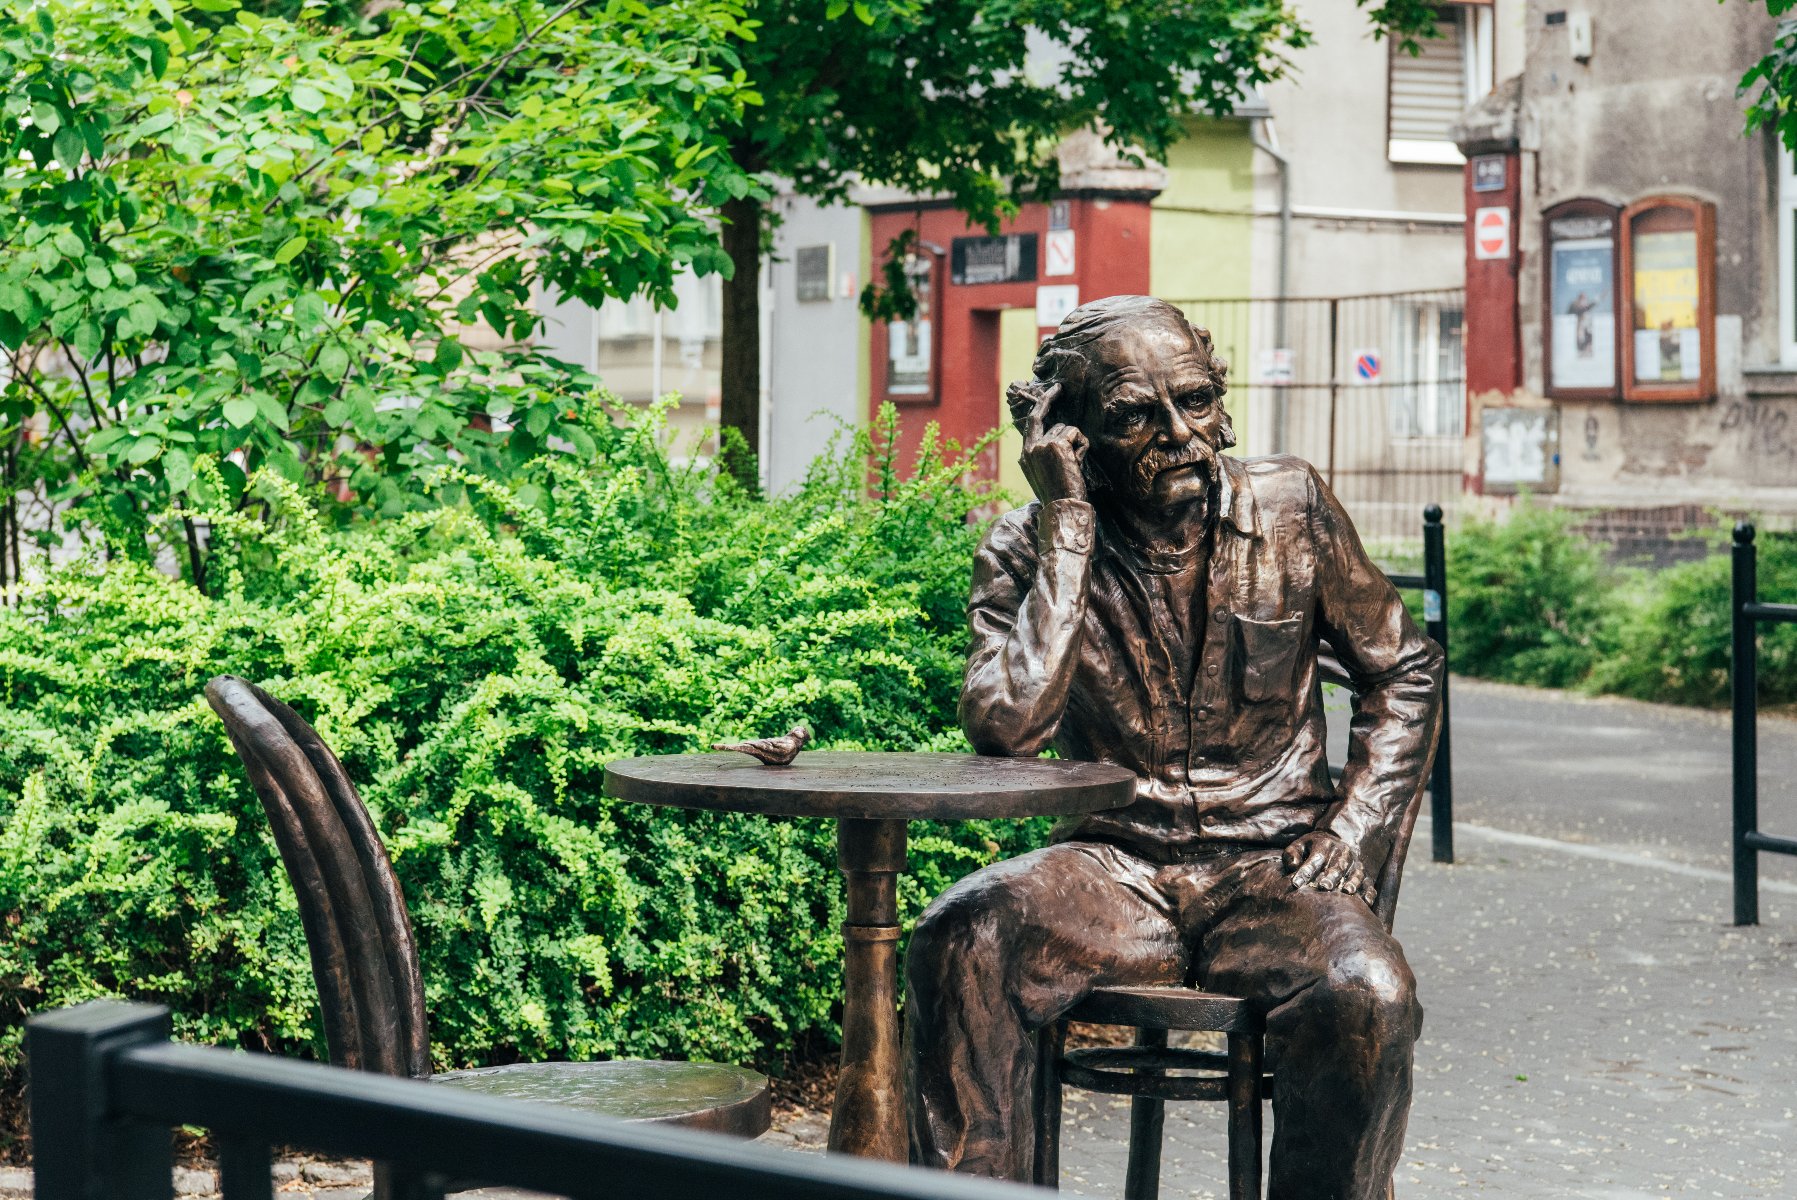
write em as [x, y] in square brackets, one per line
[1428, 369]
[645, 352]
[1787, 258]
[1428, 90]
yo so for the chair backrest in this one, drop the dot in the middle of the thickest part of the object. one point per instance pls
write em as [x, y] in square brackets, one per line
[364, 960]
[1391, 874]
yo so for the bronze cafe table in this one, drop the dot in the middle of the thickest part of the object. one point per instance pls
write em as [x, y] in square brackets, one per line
[871, 796]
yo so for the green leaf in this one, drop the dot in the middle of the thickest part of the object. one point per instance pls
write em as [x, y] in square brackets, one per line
[290, 249]
[307, 98]
[863, 13]
[97, 274]
[333, 361]
[240, 411]
[215, 6]
[177, 469]
[143, 450]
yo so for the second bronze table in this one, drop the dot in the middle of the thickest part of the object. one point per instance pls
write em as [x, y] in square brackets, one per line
[871, 796]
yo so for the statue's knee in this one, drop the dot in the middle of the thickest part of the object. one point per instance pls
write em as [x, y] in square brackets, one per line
[949, 929]
[1367, 990]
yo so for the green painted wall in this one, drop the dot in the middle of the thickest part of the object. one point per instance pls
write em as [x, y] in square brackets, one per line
[1204, 254]
[1196, 256]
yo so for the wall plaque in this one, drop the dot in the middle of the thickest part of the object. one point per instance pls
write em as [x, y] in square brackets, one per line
[1008, 259]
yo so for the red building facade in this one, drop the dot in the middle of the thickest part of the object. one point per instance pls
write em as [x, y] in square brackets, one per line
[944, 366]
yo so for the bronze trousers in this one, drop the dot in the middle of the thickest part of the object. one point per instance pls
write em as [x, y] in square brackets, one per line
[1013, 946]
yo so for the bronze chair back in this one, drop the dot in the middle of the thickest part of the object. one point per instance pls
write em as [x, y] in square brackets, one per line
[364, 959]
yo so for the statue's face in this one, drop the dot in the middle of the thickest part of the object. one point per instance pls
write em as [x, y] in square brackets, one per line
[1153, 415]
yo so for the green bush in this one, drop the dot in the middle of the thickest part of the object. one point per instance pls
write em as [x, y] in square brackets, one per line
[1670, 642]
[475, 683]
[1528, 599]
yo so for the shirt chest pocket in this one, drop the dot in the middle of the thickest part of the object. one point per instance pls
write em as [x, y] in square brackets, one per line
[1267, 657]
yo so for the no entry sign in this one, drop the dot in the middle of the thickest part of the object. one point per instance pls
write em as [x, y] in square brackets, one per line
[1491, 233]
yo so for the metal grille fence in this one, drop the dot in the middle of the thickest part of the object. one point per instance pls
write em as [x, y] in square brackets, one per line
[1370, 389]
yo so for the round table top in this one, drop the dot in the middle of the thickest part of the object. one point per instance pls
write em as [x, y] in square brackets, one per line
[850, 783]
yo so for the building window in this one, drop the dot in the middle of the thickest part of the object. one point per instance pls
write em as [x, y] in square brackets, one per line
[1429, 90]
[1669, 270]
[1581, 297]
[910, 345]
[646, 352]
[1787, 257]
[1428, 369]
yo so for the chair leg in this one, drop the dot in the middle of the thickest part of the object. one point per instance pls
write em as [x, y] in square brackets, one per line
[1147, 1121]
[1051, 1041]
[1245, 1053]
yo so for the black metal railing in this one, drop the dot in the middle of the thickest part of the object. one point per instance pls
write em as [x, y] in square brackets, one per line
[1748, 613]
[106, 1087]
[1434, 584]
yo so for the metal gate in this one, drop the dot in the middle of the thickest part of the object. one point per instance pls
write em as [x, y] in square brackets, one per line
[1370, 389]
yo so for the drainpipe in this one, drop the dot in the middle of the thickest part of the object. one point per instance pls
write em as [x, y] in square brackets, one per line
[1260, 134]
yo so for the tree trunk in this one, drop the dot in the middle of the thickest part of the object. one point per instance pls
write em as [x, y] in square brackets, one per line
[740, 387]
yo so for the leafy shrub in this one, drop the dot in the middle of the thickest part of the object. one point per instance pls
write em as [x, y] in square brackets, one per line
[475, 683]
[1527, 598]
[1671, 642]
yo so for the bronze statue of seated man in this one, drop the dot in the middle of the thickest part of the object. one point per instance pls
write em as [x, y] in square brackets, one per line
[1160, 607]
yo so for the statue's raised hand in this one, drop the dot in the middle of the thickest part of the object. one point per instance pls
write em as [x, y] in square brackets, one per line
[1053, 459]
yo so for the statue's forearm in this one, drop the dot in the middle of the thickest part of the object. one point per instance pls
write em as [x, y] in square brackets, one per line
[1026, 645]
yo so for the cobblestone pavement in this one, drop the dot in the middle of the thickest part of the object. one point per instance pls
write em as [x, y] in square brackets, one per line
[1595, 1029]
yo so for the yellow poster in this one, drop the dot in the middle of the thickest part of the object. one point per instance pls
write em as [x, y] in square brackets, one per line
[1667, 346]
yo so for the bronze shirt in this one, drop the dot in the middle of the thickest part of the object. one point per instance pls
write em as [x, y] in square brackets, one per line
[1068, 650]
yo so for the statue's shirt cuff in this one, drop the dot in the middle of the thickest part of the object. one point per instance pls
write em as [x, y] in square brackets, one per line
[1066, 525]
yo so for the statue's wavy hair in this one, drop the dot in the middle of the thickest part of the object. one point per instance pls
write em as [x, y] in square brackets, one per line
[1063, 359]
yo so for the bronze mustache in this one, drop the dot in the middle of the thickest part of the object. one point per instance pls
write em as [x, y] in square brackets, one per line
[1156, 461]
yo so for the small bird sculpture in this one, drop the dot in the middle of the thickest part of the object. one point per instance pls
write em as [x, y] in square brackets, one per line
[774, 751]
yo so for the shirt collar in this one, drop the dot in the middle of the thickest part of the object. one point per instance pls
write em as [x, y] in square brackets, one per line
[1235, 497]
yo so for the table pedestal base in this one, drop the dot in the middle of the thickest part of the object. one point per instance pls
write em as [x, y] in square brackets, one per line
[868, 1118]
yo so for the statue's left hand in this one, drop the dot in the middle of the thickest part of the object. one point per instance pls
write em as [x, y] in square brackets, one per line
[1325, 862]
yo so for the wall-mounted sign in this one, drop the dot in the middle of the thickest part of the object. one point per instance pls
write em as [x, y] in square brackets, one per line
[1054, 302]
[1669, 325]
[1060, 214]
[1488, 173]
[910, 358]
[1057, 252]
[1368, 366]
[1582, 300]
[1491, 233]
[1582, 321]
[1276, 366]
[1667, 345]
[1009, 259]
[1520, 448]
[813, 267]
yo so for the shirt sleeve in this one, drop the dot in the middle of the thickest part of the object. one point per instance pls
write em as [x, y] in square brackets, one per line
[1027, 612]
[1396, 673]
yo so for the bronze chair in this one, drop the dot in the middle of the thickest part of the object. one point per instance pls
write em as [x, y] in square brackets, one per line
[1152, 1073]
[370, 987]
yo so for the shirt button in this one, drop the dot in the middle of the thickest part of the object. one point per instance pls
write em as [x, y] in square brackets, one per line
[1212, 670]
[1221, 614]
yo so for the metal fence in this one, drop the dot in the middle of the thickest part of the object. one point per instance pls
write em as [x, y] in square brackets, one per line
[1370, 389]
[1747, 614]
[107, 1085]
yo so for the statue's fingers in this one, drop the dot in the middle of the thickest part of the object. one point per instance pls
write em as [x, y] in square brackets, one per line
[1330, 877]
[1356, 879]
[1313, 864]
[1293, 855]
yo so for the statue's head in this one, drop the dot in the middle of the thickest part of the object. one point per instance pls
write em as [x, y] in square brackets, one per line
[1141, 382]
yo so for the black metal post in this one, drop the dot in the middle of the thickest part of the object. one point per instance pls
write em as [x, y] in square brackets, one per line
[1744, 680]
[1435, 618]
[80, 1149]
